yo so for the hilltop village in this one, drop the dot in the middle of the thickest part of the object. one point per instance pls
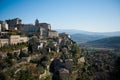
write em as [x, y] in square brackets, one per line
[36, 52]
[13, 31]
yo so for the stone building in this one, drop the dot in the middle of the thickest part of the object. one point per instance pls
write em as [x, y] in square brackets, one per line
[3, 26]
[64, 35]
[40, 29]
[29, 29]
[15, 39]
[23, 39]
[13, 22]
[36, 22]
[44, 27]
[0, 28]
[52, 34]
[4, 42]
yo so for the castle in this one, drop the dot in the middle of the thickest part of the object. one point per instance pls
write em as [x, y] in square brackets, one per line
[12, 29]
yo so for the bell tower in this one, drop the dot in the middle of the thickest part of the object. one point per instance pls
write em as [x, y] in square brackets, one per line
[36, 22]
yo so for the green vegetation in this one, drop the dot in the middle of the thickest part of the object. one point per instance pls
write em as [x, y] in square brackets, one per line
[74, 63]
[99, 65]
[9, 48]
[117, 68]
[24, 75]
[75, 50]
[41, 70]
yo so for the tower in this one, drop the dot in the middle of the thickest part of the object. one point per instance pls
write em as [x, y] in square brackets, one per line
[36, 22]
[41, 33]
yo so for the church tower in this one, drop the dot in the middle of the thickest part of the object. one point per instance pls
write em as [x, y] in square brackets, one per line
[36, 22]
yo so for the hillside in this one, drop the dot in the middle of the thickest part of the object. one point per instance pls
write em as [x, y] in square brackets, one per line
[82, 38]
[111, 42]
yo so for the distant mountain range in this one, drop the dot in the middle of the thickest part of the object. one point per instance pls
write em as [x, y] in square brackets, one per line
[82, 38]
[72, 31]
[94, 39]
[85, 36]
[111, 42]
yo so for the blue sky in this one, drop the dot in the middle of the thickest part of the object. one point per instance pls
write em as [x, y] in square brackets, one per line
[88, 15]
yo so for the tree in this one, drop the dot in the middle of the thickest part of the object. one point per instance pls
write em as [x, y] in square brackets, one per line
[25, 75]
[30, 49]
[117, 69]
[75, 50]
[41, 69]
[44, 61]
[3, 76]
[22, 54]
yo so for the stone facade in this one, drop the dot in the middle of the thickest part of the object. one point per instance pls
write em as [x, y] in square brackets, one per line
[64, 35]
[3, 25]
[44, 27]
[29, 29]
[13, 39]
[13, 22]
[40, 29]
[0, 28]
[52, 34]
[23, 39]
[4, 42]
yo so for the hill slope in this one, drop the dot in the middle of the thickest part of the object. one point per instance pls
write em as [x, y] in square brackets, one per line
[82, 38]
[111, 42]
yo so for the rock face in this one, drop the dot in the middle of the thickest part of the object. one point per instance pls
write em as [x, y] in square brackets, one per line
[82, 59]
[63, 74]
[69, 64]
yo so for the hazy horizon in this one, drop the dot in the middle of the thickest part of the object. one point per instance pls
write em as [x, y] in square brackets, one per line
[87, 15]
[88, 31]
